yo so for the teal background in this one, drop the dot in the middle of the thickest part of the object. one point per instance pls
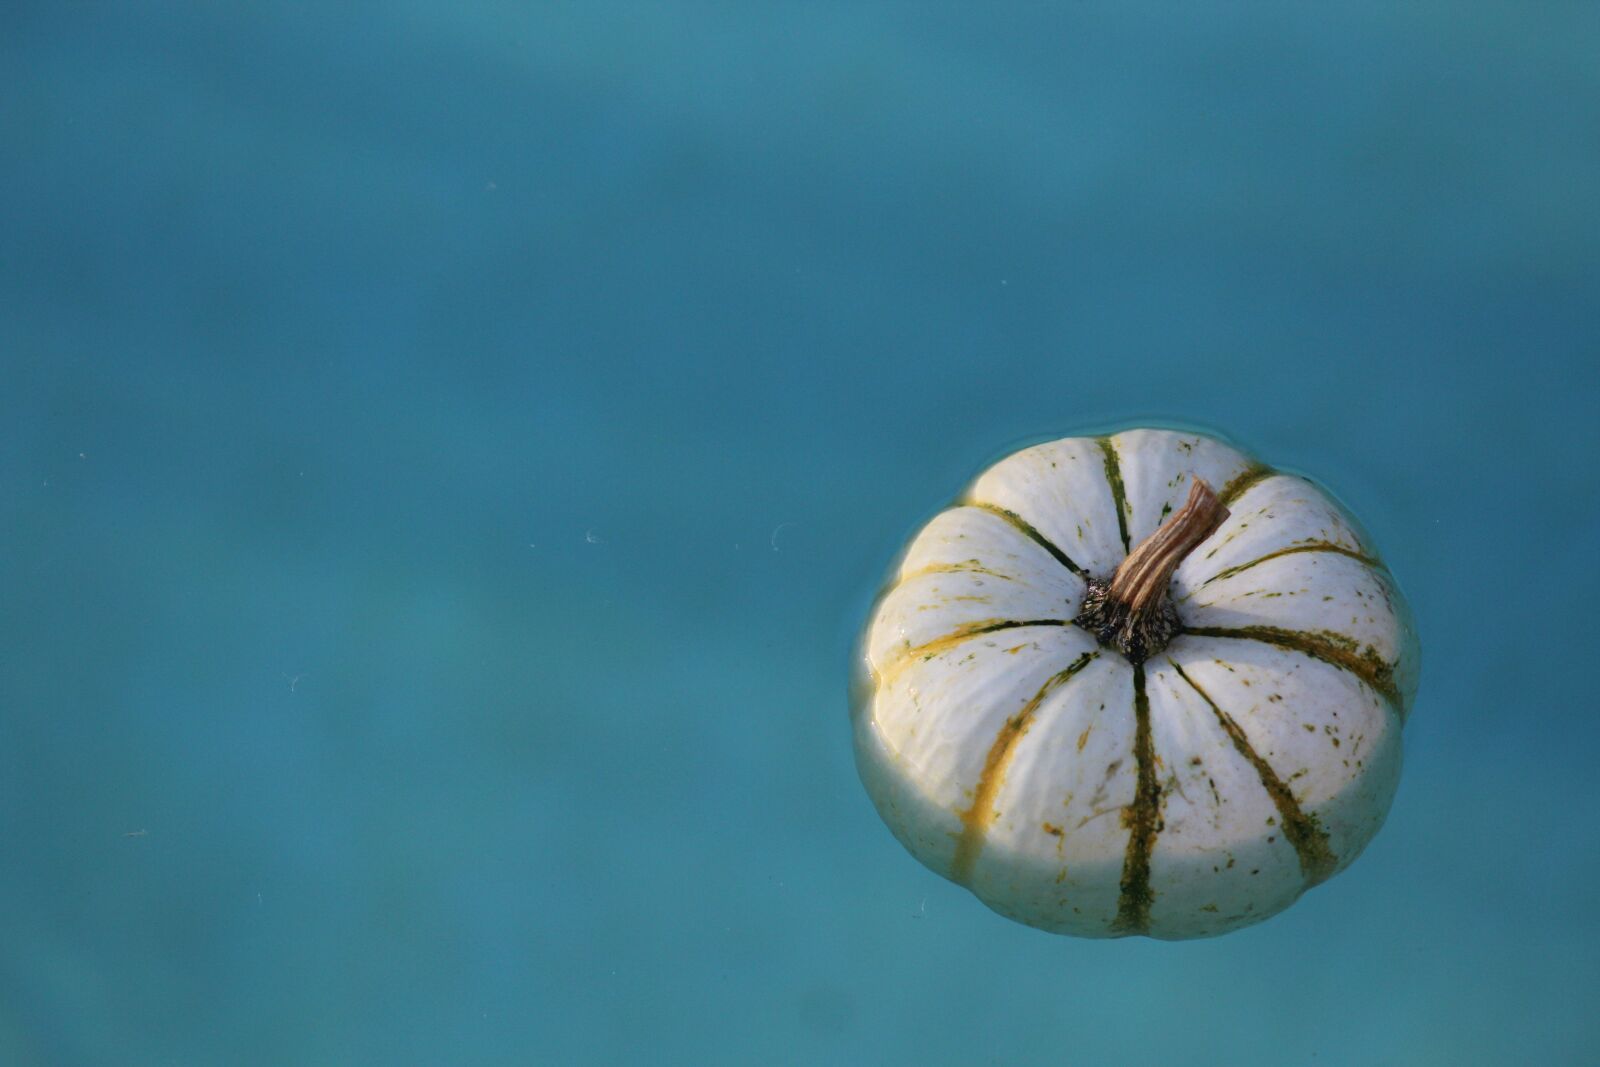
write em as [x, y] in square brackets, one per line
[446, 451]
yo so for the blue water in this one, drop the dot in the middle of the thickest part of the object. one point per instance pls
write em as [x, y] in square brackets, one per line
[446, 451]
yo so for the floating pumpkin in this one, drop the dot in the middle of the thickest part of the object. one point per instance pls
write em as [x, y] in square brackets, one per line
[1136, 684]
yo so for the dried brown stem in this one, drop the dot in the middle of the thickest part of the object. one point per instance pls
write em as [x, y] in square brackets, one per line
[1132, 612]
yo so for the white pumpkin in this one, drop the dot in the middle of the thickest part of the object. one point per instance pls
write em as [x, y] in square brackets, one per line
[1231, 740]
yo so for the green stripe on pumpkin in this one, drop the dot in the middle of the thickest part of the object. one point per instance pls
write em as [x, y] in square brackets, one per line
[1242, 481]
[1027, 530]
[1119, 493]
[1314, 546]
[1332, 648]
[1310, 841]
[928, 649]
[976, 820]
[1143, 820]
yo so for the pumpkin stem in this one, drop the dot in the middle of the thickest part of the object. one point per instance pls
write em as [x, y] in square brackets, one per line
[1132, 612]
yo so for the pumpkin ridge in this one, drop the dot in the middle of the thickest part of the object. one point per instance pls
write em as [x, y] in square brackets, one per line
[1314, 546]
[1310, 841]
[977, 819]
[1027, 529]
[1143, 819]
[1119, 492]
[1331, 648]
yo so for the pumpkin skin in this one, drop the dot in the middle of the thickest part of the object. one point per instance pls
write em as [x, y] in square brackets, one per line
[1070, 789]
